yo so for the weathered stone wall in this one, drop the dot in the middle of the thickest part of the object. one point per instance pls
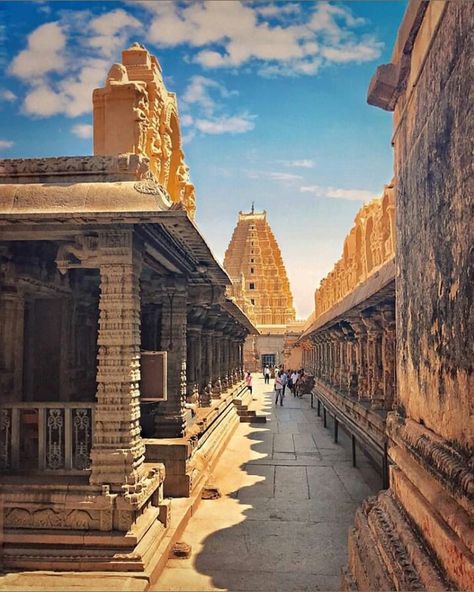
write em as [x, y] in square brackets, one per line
[433, 148]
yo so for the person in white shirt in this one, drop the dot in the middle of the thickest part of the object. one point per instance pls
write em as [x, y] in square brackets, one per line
[266, 374]
[294, 380]
[278, 390]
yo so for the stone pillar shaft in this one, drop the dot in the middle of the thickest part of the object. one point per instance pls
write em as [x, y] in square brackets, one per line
[171, 418]
[118, 450]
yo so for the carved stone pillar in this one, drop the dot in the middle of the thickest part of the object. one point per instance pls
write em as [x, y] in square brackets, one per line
[350, 361]
[170, 421]
[372, 320]
[12, 314]
[118, 451]
[241, 359]
[335, 358]
[234, 363]
[360, 334]
[323, 342]
[225, 359]
[388, 357]
[193, 363]
[207, 361]
[217, 364]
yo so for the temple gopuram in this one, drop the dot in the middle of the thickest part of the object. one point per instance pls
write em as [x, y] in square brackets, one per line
[390, 340]
[121, 357]
[261, 288]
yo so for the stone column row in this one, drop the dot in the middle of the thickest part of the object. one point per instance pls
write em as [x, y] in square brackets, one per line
[214, 355]
[357, 357]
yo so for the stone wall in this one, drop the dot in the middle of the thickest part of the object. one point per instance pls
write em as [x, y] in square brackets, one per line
[433, 146]
[418, 534]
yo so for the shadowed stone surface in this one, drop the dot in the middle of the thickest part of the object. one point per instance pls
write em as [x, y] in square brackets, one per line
[289, 495]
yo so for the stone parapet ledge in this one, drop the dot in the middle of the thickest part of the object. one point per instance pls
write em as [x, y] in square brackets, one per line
[79, 169]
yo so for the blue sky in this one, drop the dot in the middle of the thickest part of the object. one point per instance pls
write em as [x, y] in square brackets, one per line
[272, 97]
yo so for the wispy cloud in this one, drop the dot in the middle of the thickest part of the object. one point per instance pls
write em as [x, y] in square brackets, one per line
[278, 38]
[232, 124]
[198, 92]
[339, 193]
[274, 176]
[6, 144]
[8, 96]
[205, 109]
[66, 59]
[82, 130]
[304, 163]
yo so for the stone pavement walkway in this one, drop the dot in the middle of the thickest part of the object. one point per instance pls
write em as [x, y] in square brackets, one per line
[289, 495]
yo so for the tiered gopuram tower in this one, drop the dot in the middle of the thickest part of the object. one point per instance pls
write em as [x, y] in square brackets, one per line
[260, 286]
[254, 262]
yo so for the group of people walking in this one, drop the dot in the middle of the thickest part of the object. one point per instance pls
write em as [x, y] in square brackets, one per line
[296, 381]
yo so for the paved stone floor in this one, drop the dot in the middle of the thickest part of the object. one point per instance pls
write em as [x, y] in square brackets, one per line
[288, 498]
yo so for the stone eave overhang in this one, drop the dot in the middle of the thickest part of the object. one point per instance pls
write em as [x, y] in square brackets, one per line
[239, 315]
[390, 80]
[380, 286]
[182, 230]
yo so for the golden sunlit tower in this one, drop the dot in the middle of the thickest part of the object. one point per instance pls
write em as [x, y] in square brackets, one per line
[260, 286]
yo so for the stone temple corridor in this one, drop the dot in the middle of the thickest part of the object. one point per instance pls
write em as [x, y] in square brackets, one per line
[288, 497]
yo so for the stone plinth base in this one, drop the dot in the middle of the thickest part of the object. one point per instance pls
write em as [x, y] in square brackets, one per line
[190, 459]
[418, 534]
[67, 524]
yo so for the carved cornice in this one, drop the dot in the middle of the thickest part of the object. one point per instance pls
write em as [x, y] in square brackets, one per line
[123, 167]
[453, 469]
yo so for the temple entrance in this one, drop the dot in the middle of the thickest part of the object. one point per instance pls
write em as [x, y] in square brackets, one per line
[268, 360]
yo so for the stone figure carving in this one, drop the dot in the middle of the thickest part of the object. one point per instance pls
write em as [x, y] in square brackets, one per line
[370, 243]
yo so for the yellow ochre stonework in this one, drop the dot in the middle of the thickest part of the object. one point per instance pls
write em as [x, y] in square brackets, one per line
[135, 113]
[369, 244]
[254, 263]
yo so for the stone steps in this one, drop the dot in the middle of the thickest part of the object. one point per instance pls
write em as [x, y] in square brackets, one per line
[247, 415]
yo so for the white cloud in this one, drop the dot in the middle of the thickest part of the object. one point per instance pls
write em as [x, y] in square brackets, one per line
[231, 124]
[65, 60]
[198, 92]
[274, 176]
[7, 95]
[44, 53]
[82, 130]
[112, 30]
[231, 34]
[278, 10]
[305, 163]
[338, 193]
[6, 144]
[43, 101]
[203, 96]
[353, 52]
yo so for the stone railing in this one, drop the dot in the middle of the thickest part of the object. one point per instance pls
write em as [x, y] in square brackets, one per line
[49, 436]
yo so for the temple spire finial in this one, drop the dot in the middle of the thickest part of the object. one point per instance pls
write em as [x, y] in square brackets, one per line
[253, 208]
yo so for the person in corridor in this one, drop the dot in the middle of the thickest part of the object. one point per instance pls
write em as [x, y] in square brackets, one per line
[266, 374]
[278, 389]
[248, 381]
[284, 380]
